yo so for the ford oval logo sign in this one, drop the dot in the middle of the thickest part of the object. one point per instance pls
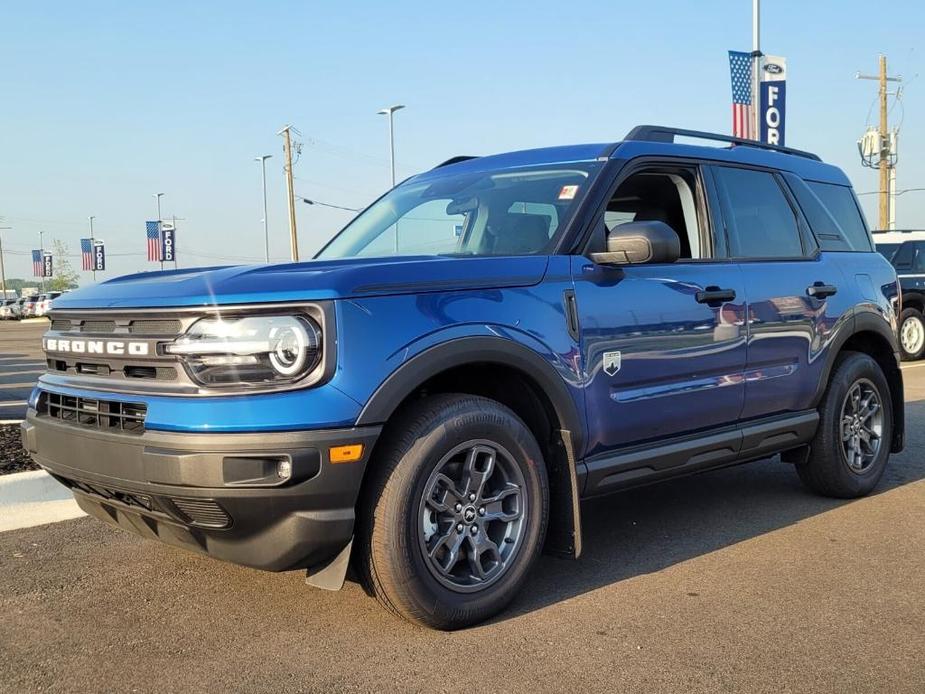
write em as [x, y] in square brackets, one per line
[773, 68]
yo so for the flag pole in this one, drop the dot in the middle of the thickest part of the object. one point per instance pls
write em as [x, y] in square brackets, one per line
[756, 67]
[92, 251]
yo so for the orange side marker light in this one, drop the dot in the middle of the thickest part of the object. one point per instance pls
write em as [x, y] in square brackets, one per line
[346, 454]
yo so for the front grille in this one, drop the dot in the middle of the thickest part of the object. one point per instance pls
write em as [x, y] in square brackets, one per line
[98, 326]
[93, 413]
[204, 512]
[155, 327]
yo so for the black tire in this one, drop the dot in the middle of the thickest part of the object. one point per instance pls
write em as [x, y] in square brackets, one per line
[392, 554]
[828, 471]
[912, 335]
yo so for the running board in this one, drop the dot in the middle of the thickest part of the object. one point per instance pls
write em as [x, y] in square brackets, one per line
[643, 464]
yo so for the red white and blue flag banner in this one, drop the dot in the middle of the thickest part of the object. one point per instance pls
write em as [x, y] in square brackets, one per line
[153, 234]
[86, 254]
[743, 104]
[38, 267]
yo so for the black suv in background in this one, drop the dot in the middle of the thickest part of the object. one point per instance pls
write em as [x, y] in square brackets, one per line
[906, 251]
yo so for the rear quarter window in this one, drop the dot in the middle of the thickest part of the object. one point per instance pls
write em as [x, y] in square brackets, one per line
[843, 206]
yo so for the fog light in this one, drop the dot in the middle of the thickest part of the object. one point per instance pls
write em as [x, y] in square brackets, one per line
[284, 469]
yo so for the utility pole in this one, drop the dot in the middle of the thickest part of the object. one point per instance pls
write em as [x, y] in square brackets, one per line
[92, 250]
[756, 66]
[266, 233]
[287, 149]
[886, 159]
[160, 241]
[2, 269]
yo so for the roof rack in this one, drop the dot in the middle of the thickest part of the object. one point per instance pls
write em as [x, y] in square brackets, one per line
[454, 160]
[658, 133]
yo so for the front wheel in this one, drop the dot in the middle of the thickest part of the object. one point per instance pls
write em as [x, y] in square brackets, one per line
[911, 334]
[852, 444]
[455, 513]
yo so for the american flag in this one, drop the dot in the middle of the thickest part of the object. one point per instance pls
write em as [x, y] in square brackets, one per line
[86, 254]
[38, 266]
[153, 232]
[743, 106]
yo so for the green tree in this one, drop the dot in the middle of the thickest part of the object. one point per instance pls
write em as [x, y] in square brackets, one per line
[64, 275]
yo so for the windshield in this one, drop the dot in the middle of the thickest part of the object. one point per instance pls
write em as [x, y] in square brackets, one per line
[501, 212]
[887, 249]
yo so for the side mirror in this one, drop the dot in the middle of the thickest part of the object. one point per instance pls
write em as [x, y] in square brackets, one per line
[640, 242]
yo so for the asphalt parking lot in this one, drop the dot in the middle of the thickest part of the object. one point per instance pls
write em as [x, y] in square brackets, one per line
[21, 363]
[735, 580]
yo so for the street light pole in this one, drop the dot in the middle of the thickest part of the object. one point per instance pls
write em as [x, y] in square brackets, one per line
[2, 269]
[390, 112]
[266, 233]
[160, 241]
[756, 67]
[91, 218]
[42, 254]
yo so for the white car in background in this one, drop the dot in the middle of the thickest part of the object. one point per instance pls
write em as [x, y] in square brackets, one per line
[44, 302]
[6, 309]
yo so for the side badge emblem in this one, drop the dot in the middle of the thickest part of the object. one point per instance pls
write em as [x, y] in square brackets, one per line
[611, 363]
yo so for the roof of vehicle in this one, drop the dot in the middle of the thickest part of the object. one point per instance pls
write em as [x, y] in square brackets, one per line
[655, 141]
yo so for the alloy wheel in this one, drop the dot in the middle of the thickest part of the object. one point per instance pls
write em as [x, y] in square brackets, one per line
[912, 335]
[472, 516]
[861, 425]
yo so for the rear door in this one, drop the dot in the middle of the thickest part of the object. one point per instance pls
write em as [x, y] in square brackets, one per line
[792, 290]
[663, 344]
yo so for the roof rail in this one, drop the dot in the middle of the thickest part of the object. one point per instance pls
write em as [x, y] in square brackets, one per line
[658, 133]
[454, 160]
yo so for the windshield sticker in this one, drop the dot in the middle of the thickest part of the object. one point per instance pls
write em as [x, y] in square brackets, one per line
[568, 192]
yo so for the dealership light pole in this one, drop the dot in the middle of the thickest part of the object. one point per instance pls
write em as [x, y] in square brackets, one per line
[266, 234]
[92, 250]
[756, 66]
[42, 254]
[390, 112]
[158, 197]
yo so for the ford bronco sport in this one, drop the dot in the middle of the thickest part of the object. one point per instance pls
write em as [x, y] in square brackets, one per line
[480, 349]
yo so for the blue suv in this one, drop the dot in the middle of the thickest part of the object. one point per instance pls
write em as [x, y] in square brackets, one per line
[483, 347]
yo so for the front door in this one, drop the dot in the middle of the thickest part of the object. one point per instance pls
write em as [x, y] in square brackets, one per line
[663, 346]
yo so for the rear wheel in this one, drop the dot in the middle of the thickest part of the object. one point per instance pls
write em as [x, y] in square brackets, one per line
[456, 511]
[852, 444]
[911, 334]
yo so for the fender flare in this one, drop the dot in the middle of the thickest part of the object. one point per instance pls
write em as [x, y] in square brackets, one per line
[473, 350]
[869, 322]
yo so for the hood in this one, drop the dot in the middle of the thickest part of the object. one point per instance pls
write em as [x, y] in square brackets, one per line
[309, 281]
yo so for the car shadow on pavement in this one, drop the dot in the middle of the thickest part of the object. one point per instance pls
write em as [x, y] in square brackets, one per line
[648, 529]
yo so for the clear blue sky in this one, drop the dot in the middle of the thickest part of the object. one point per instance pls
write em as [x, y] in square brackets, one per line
[105, 103]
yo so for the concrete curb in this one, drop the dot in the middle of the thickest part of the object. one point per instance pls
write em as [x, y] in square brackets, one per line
[34, 498]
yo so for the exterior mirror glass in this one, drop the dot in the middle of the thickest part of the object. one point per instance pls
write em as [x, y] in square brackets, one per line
[640, 242]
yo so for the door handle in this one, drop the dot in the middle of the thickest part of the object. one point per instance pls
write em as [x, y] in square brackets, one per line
[714, 295]
[818, 290]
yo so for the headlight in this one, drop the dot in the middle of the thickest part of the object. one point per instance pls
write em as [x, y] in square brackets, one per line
[257, 350]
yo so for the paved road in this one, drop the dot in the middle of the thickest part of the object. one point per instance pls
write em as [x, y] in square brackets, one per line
[735, 580]
[21, 363]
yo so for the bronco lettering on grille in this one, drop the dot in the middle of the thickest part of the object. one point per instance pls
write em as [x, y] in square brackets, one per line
[115, 347]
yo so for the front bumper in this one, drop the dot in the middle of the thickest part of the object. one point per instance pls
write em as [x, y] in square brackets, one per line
[212, 493]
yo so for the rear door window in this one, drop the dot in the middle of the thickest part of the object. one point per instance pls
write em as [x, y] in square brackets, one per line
[759, 219]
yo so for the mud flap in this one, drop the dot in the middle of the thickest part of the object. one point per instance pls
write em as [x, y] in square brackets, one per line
[330, 576]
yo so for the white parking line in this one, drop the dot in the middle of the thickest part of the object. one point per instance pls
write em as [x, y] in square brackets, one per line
[11, 421]
[905, 367]
[12, 403]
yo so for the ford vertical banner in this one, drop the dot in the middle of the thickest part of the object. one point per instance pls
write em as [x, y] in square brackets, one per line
[168, 243]
[99, 256]
[773, 99]
[47, 265]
